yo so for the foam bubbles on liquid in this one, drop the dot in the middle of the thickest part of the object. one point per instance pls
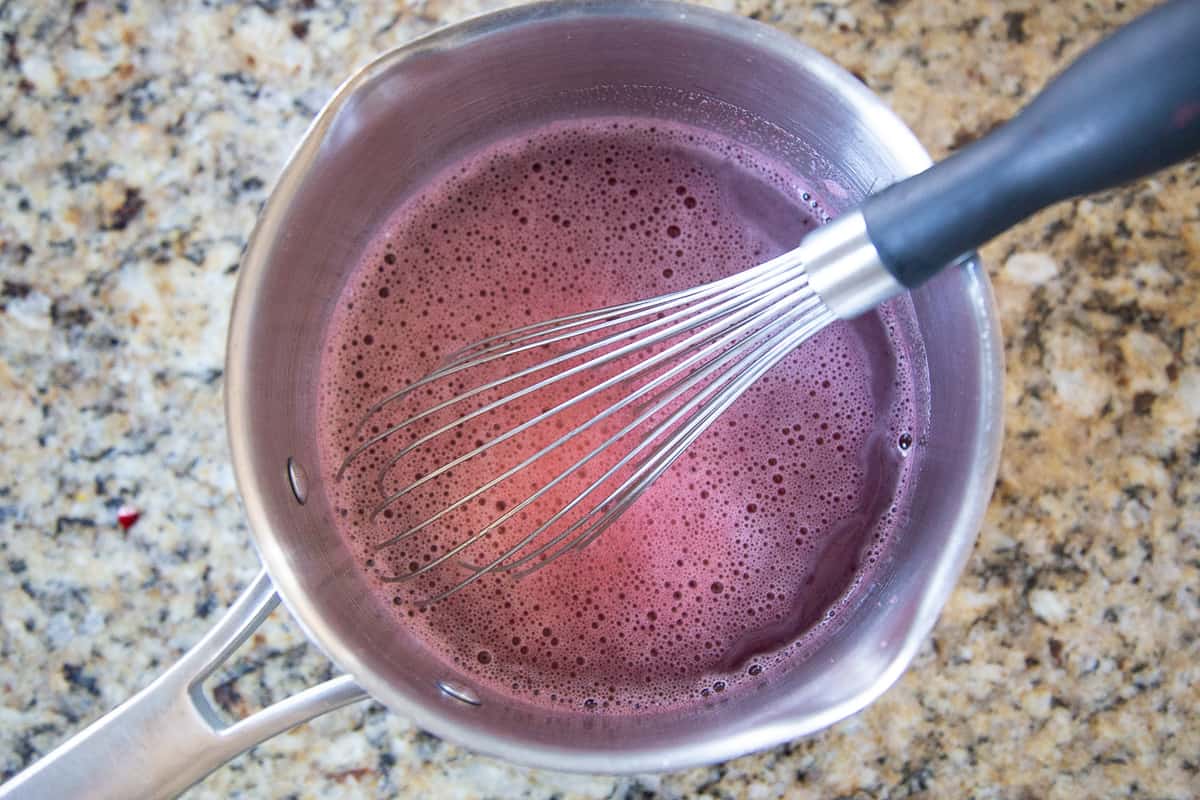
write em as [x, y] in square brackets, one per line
[744, 554]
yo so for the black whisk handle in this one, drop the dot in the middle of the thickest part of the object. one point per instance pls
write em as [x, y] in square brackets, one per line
[1125, 109]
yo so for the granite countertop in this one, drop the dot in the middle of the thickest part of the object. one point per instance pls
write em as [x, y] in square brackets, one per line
[136, 144]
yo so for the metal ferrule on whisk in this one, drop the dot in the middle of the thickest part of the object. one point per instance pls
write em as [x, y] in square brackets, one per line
[844, 267]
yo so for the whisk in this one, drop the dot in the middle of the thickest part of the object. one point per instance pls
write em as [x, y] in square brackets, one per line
[575, 417]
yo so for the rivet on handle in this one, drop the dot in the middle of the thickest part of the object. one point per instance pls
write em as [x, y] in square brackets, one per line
[298, 480]
[459, 692]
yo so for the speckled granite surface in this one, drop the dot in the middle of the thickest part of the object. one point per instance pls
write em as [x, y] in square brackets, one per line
[136, 144]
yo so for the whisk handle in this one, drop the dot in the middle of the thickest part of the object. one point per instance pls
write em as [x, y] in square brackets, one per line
[1125, 109]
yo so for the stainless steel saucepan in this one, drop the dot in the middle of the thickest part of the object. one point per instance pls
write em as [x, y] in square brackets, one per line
[377, 139]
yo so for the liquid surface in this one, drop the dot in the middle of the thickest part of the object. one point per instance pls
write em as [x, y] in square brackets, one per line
[750, 550]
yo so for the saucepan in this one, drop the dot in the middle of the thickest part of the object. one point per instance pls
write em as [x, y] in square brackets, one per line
[376, 139]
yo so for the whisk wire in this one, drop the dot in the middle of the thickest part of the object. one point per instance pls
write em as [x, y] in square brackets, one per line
[693, 341]
[647, 388]
[712, 402]
[668, 452]
[650, 410]
[497, 564]
[685, 437]
[724, 301]
[625, 311]
[697, 350]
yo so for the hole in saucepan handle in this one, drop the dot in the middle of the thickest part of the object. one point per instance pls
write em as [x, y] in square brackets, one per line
[456, 691]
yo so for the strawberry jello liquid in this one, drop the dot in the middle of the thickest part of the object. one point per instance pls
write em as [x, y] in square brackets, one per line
[751, 549]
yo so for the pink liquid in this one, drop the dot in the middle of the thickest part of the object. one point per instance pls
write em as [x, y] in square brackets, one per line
[749, 551]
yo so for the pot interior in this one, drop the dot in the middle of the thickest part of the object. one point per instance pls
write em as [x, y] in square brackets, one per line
[415, 110]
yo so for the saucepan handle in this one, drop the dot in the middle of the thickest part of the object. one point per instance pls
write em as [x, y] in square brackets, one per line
[168, 736]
